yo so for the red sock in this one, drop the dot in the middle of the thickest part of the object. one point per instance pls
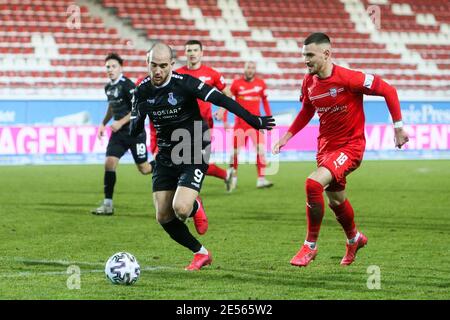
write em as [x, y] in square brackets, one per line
[345, 216]
[216, 171]
[235, 161]
[260, 165]
[314, 209]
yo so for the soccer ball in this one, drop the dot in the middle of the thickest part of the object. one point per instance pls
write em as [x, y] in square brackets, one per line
[122, 268]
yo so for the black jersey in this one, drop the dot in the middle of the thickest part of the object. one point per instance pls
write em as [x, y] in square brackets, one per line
[170, 107]
[175, 114]
[120, 94]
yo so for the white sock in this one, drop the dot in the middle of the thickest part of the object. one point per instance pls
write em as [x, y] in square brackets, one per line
[353, 240]
[108, 202]
[311, 245]
[202, 250]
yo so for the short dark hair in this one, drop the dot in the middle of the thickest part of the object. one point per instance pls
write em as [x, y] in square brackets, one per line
[193, 41]
[114, 56]
[317, 38]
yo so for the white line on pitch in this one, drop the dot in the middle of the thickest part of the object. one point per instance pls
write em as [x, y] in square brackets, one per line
[65, 263]
[58, 262]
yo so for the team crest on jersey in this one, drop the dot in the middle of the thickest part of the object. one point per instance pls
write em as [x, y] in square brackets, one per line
[333, 92]
[151, 101]
[114, 92]
[172, 100]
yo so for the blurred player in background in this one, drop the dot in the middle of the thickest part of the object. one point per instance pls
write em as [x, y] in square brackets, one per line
[170, 100]
[249, 91]
[336, 93]
[119, 92]
[195, 68]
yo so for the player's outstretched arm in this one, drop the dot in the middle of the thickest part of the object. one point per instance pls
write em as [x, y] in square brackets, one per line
[381, 88]
[257, 122]
[304, 116]
[400, 137]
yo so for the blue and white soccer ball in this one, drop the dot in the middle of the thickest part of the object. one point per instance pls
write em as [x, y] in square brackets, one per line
[122, 268]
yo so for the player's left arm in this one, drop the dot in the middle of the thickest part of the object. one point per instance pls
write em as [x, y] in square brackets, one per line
[373, 85]
[265, 101]
[204, 92]
[220, 84]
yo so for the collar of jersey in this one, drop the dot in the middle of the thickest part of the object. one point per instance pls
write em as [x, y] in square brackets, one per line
[117, 80]
[332, 73]
[165, 83]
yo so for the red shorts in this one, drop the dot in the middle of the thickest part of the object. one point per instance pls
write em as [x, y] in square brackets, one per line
[242, 133]
[340, 163]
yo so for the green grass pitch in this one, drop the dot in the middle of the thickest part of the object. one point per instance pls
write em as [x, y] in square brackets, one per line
[402, 206]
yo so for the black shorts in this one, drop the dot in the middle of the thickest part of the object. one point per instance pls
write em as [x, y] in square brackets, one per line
[121, 141]
[168, 176]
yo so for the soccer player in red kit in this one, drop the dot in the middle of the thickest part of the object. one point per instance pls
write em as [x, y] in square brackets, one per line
[336, 93]
[195, 68]
[249, 91]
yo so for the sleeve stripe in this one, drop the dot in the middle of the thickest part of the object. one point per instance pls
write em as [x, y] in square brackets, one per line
[209, 93]
[368, 80]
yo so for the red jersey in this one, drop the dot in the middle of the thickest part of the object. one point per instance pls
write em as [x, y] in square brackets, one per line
[338, 100]
[209, 76]
[249, 94]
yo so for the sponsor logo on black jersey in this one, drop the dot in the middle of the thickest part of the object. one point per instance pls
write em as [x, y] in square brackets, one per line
[172, 100]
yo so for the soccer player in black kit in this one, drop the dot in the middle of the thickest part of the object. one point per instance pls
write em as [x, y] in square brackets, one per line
[119, 92]
[170, 101]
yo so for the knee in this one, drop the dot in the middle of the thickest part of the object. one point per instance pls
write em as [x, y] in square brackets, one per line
[182, 209]
[163, 216]
[335, 202]
[110, 165]
[313, 188]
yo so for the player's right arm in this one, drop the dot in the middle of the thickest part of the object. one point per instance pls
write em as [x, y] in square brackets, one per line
[304, 116]
[102, 127]
[137, 117]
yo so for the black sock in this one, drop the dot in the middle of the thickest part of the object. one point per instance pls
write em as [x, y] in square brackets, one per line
[194, 208]
[179, 232]
[109, 182]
